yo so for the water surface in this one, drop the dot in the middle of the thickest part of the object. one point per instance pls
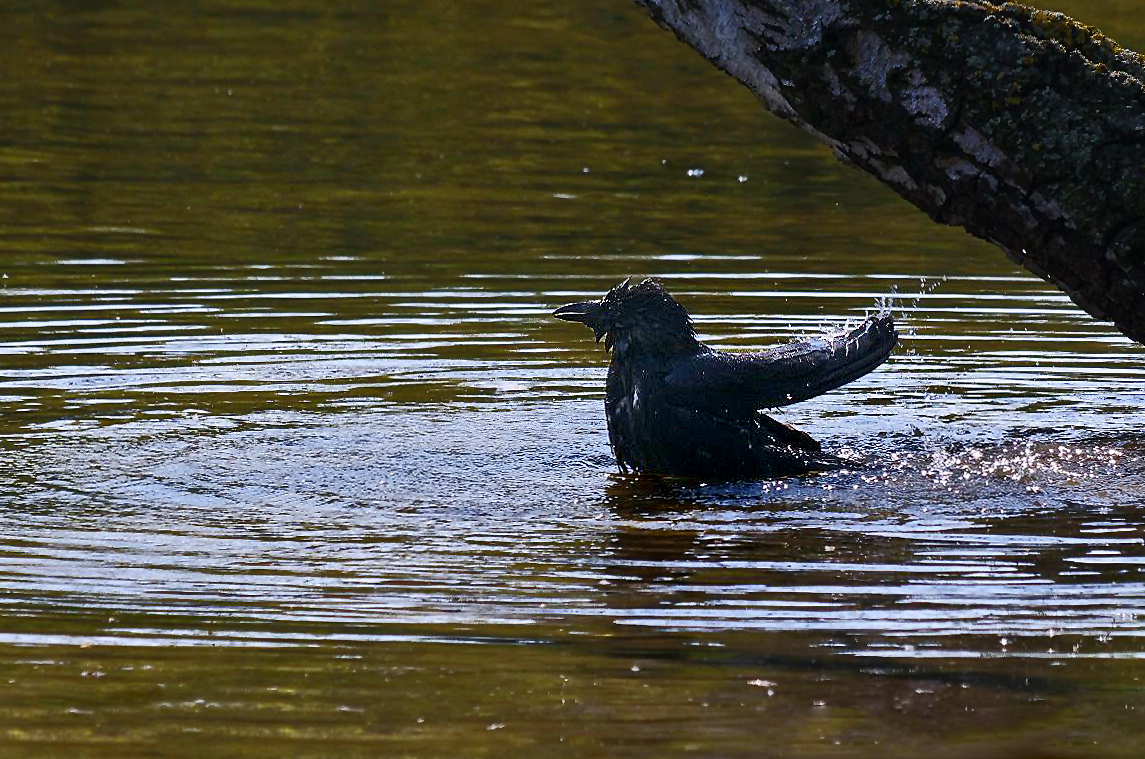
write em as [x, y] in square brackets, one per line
[294, 461]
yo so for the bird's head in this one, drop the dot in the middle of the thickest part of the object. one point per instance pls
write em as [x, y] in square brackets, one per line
[642, 316]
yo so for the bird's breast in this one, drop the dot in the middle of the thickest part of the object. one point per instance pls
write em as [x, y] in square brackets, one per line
[631, 402]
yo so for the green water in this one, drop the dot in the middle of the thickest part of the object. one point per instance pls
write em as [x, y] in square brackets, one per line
[295, 463]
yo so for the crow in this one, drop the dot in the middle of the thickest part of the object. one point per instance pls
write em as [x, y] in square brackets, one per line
[678, 407]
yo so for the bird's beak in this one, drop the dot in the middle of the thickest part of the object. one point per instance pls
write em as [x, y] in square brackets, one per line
[588, 313]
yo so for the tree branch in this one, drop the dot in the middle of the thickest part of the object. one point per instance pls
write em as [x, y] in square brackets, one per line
[1023, 126]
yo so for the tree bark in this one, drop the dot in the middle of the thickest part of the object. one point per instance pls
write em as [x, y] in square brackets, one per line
[1023, 126]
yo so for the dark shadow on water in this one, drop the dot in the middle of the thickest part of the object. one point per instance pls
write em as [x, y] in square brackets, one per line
[898, 612]
[1016, 549]
[1030, 470]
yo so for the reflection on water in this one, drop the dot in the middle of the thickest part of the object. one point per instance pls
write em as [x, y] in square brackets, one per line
[294, 456]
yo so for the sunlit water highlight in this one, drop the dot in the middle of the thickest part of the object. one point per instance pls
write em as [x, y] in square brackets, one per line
[332, 483]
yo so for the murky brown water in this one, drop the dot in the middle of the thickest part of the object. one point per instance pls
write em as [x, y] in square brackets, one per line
[294, 461]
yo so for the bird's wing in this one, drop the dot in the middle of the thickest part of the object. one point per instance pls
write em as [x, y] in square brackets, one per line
[738, 383]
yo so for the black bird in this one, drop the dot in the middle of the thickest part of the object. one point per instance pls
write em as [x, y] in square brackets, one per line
[677, 407]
